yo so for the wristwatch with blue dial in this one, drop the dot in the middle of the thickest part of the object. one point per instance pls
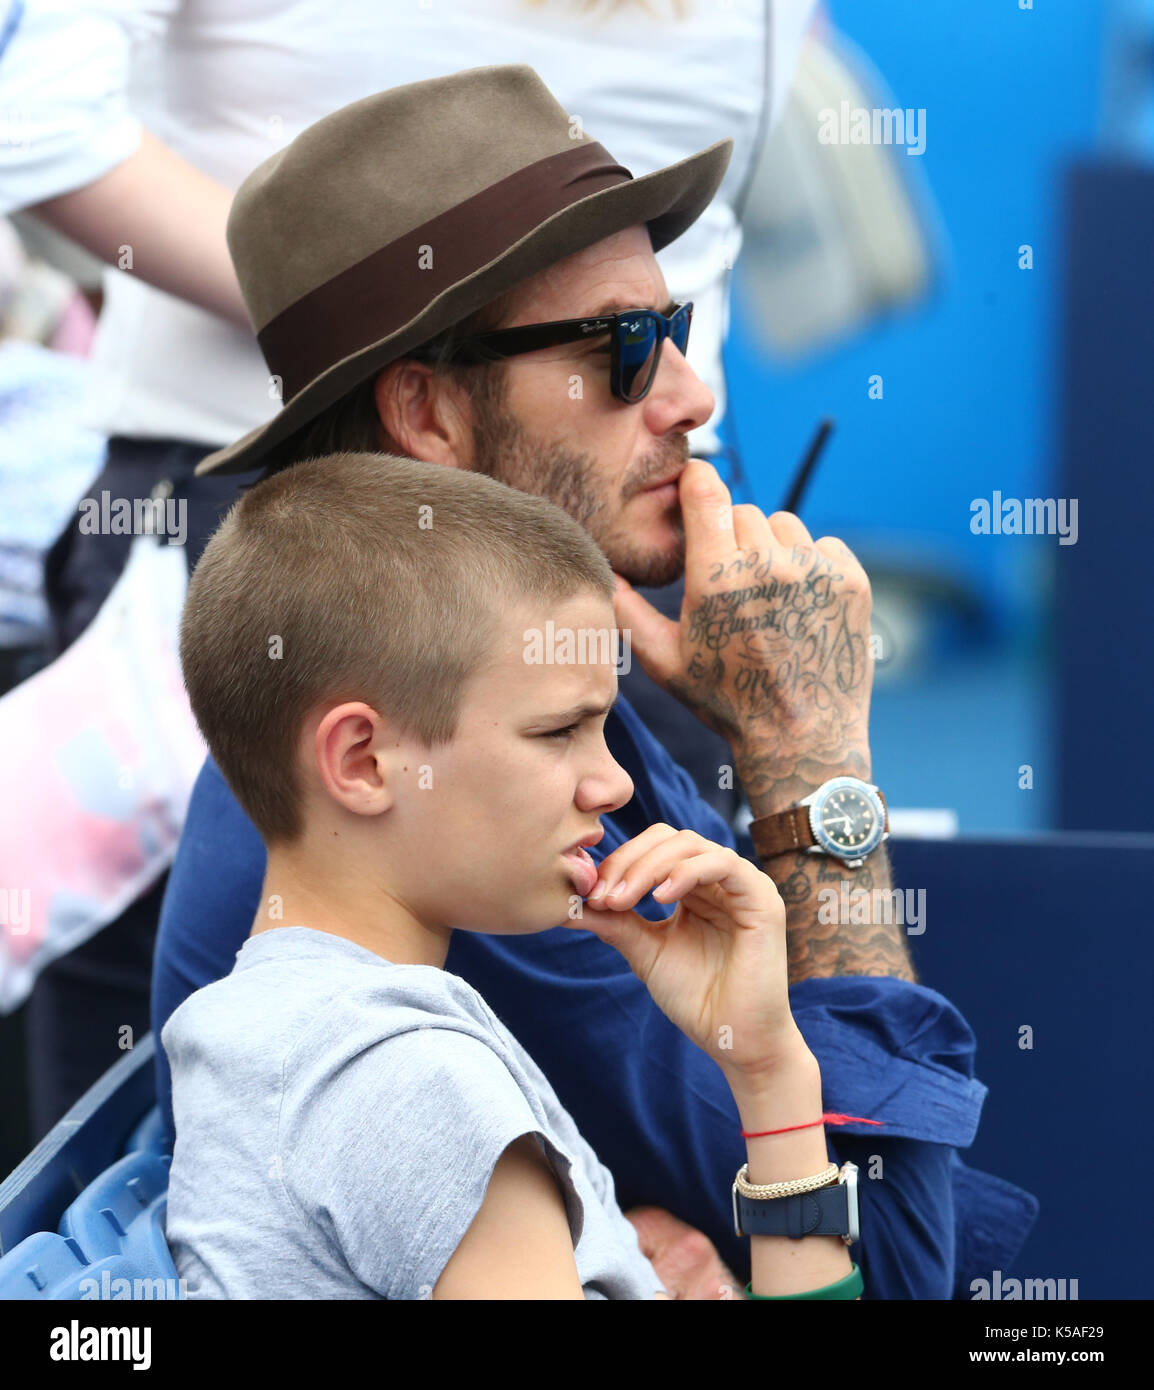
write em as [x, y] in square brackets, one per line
[845, 817]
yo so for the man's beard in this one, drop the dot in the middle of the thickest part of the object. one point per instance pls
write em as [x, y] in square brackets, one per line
[503, 450]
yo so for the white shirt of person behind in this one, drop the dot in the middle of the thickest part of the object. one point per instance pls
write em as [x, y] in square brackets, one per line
[225, 83]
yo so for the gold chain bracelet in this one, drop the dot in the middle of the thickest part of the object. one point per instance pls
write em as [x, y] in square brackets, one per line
[826, 1178]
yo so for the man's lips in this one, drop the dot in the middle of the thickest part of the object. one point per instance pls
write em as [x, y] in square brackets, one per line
[582, 869]
[669, 476]
[670, 480]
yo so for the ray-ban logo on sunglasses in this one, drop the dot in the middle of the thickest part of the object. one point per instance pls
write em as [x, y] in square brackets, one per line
[583, 646]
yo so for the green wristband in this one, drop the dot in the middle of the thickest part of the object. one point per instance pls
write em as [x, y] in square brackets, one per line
[849, 1287]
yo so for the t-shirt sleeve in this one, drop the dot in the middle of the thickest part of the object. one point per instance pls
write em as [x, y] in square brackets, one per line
[67, 79]
[389, 1149]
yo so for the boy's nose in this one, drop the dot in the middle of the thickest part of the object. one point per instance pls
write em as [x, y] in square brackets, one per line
[623, 787]
[607, 790]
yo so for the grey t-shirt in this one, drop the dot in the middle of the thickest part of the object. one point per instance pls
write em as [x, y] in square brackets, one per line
[338, 1118]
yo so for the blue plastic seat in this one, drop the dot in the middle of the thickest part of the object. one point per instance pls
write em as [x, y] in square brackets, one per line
[79, 1147]
[114, 1210]
[46, 1266]
[149, 1135]
[122, 1212]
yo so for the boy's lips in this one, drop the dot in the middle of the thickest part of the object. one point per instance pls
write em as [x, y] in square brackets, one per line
[582, 869]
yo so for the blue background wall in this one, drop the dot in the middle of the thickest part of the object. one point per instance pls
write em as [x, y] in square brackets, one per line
[970, 402]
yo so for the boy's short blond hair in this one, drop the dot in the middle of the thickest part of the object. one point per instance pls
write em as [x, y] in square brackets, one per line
[359, 576]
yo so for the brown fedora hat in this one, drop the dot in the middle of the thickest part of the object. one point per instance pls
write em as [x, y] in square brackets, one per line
[397, 216]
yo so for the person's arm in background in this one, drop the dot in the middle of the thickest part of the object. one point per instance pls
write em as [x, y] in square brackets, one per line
[77, 158]
[172, 217]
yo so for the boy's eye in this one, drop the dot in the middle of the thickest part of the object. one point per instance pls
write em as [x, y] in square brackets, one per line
[568, 730]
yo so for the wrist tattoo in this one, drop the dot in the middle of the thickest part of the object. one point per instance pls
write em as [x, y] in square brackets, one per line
[819, 947]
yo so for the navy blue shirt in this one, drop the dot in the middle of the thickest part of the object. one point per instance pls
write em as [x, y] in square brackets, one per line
[655, 1108]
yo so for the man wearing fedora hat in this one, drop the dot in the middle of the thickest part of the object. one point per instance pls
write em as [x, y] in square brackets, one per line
[456, 271]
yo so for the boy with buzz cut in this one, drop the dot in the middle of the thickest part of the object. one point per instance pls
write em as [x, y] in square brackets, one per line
[361, 647]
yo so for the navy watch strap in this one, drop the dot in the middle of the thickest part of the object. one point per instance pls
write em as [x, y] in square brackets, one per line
[821, 1213]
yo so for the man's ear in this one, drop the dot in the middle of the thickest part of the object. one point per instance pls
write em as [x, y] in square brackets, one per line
[424, 412]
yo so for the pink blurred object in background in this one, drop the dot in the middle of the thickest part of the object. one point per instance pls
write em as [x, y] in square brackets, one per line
[76, 328]
[101, 751]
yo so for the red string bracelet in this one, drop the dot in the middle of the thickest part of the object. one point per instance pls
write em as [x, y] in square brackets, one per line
[831, 1118]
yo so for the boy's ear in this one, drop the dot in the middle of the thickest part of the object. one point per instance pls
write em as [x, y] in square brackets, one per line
[352, 749]
[424, 413]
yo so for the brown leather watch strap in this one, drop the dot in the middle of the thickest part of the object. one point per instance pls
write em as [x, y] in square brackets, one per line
[790, 830]
[782, 832]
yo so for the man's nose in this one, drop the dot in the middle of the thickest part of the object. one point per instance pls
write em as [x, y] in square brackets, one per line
[678, 401]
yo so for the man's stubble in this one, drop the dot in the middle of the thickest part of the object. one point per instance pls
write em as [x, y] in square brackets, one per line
[503, 449]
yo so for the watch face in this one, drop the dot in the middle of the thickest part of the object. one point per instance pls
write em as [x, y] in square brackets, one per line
[848, 819]
[849, 1177]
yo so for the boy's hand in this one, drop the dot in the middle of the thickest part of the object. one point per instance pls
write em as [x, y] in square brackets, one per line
[717, 967]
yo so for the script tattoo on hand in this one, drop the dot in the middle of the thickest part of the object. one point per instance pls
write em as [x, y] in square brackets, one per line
[777, 660]
[781, 664]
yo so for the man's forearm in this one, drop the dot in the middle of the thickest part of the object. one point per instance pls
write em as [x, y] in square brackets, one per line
[839, 921]
[835, 917]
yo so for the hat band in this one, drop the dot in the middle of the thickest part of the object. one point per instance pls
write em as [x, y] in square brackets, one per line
[373, 299]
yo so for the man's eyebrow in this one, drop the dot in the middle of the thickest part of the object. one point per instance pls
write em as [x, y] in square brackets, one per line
[621, 306]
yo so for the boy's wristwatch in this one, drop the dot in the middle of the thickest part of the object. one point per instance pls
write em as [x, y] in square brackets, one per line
[845, 817]
[831, 1210]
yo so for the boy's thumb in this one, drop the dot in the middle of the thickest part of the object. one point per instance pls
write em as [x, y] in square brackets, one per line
[627, 932]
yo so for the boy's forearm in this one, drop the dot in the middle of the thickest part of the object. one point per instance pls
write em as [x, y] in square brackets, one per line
[781, 1265]
[157, 216]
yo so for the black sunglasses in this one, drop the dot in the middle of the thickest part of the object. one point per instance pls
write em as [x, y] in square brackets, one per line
[635, 345]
